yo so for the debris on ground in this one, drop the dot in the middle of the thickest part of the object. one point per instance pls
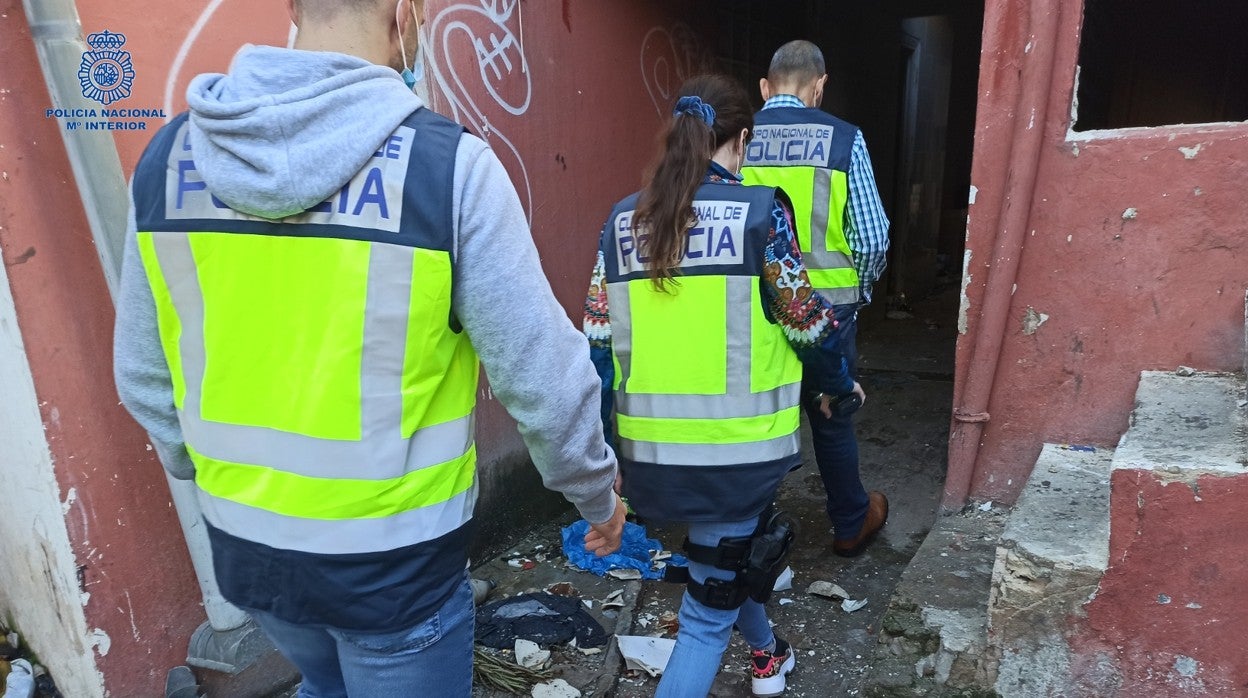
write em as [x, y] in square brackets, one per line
[639, 557]
[530, 655]
[481, 589]
[648, 654]
[20, 676]
[1185, 371]
[785, 581]
[851, 605]
[827, 590]
[542, 618]
[555, 689]
[492, 671]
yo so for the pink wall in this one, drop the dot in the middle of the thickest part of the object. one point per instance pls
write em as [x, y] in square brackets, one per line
[125, 536]
[1168, 618]
[1159, 290]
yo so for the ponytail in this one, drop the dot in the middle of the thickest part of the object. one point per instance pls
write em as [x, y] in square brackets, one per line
[713, 110]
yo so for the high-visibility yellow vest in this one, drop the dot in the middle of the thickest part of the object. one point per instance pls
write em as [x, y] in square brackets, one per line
[806, 152]
[326, 400]
[703, 377]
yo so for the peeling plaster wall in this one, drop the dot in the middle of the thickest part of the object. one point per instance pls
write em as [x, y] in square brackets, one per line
[1135, 251]
[1168, 618]
[38, 591]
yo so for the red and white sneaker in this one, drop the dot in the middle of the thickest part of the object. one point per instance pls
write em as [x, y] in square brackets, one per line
[768, 669]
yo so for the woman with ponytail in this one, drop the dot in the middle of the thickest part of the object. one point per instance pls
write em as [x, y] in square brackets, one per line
[701, 318]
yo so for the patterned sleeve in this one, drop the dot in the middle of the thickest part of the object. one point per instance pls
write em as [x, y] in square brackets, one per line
[805, 317]
[597, 328]
[597, 324]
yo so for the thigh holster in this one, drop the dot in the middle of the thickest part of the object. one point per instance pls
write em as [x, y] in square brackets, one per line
[757, 561]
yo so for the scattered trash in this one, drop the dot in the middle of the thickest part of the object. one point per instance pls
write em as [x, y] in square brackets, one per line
[543, 618]
[555, 689]
[522, 563]
[986, 506]
[658, 555]
[625, 573]
[785, 602]
[635, 553]
[563, 589]
[1242, 403]
[1163, 599]
[850, 605]
[1130, 214]
[21, 680]
[785, 581]
[648, 654]
[1185, 371]
[827, 590]
[492, 671]
[1080, 448]
[669, 622]
[530, 656]
[614, 600]
[481, 589]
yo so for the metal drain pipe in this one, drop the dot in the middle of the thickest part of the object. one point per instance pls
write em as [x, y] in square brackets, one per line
[1030, 119]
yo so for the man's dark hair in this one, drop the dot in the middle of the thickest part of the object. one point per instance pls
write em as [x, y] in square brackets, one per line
[796, 62]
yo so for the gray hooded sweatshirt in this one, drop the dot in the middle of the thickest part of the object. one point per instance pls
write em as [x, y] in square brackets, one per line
[282, 132]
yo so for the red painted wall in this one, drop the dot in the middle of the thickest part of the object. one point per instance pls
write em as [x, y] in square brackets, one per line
[124, 532]
[1169, 613]
[1163, 289]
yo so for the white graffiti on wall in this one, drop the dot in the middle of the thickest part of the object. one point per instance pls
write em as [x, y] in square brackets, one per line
[668, 58]
[495, 31]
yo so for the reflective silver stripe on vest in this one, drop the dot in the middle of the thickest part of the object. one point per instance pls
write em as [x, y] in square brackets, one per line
[710, 454]
[381, 453]
[620, 313]
[819, 256]
[738, 314]
[709, 406]
[339, 536]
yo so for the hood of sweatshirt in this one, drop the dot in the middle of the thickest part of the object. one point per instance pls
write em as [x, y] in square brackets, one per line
[286, 129]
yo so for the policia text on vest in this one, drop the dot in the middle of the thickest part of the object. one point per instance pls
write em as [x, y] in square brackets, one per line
[797, 145]
[716, 238]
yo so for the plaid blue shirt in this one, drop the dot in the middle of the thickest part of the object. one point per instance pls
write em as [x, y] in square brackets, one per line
[866, 224]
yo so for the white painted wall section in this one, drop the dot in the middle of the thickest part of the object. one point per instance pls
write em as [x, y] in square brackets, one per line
[38, 580]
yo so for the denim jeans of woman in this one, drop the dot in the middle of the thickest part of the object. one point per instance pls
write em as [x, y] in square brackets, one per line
[432, 658]
[704, 631]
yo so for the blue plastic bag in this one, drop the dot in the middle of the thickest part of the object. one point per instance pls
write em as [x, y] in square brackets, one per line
[634, 552]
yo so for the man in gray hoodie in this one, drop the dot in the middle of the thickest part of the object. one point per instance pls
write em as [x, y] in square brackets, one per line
[314, 264]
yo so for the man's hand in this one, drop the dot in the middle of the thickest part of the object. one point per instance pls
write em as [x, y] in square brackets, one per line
[825, 400]
[604, 538]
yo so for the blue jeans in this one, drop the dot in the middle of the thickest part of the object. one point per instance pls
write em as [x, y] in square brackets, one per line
[340, 663]
[836, 445]
[704, 632]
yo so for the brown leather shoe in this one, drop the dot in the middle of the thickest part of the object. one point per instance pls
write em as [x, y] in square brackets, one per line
[877, 515]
